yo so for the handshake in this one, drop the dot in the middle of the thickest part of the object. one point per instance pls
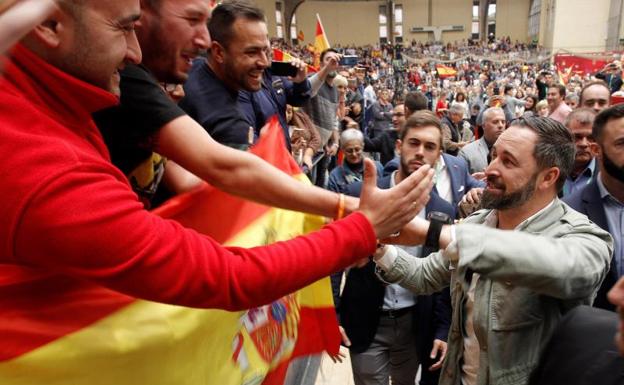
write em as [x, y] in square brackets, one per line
[389, 211]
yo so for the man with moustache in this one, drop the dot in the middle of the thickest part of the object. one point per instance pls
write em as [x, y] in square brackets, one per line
[389, 330]
[602, 200]
[233, 89]
[580, 122]
[514, 268]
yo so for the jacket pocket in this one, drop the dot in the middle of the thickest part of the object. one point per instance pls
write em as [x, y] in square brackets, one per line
[514, 307]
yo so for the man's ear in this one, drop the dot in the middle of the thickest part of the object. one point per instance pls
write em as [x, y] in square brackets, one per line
[49, 31]
[397, 146]
[595, 150]
[217, 52]
[548, 178]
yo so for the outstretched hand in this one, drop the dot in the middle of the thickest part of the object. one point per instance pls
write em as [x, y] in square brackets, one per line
[390, 210]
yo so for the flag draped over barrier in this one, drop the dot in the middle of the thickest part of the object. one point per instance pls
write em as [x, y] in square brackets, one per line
[57, 330]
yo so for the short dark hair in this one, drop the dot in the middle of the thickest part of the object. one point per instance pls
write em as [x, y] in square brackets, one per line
[422, 118]
[325, 53]
[604, 117]
[416, 101]
[554, 147]
[561, 88]
[226, 14]
[597, 82]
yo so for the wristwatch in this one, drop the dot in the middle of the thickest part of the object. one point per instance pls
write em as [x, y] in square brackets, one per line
[436, 220]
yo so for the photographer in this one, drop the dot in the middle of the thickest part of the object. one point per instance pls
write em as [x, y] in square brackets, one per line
[612, 75]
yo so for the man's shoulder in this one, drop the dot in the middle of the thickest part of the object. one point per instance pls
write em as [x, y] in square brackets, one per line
[578, 200]
[471, 148]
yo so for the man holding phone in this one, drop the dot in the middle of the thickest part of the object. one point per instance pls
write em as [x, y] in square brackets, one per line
[236, 73]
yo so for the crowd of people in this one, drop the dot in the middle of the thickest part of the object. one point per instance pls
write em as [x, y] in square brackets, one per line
[477, 206]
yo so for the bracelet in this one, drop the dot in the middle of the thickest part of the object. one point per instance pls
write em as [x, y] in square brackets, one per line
[340, 210]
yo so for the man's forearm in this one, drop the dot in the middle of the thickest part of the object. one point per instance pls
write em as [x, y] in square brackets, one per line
[241, 173]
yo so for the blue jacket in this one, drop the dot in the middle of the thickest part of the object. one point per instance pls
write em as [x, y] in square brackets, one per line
[461, 180]
[342, 176]
[588, 201]
[277, 91]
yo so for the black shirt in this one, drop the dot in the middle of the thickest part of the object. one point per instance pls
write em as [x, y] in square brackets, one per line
[215, 107]
[129, 129]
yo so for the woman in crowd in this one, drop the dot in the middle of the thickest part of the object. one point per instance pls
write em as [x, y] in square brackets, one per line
[530, 106]
[352, 168]
[542, 108]
[460, 98]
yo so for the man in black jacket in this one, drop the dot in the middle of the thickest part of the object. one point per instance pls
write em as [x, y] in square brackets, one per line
[385, 142]
[391, 331]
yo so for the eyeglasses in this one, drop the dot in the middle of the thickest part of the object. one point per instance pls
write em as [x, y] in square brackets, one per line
[355, 150]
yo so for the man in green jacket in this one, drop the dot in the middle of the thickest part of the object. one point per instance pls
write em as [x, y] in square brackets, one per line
[513, 268]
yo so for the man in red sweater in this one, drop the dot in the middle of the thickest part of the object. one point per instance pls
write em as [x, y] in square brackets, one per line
[70, 217]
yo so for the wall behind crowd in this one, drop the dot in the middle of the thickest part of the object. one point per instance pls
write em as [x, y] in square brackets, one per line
[357, 22]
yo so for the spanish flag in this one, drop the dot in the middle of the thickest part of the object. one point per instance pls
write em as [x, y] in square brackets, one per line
[445, 71]
[60, 330]
[280, 55]
[320, 42]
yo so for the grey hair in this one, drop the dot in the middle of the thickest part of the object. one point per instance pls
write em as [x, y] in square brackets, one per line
[572, 96]
[554, 146]
[457, 109]
[583, 116]
[490, 111]
[351, 134]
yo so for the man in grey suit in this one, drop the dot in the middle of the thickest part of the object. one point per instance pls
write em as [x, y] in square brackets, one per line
[477, 154]
[516, 267]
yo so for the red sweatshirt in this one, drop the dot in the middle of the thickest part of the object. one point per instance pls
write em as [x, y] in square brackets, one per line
[66, 210]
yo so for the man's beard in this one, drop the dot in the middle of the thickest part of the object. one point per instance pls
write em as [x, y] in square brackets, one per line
[611, 168]
[509, 200]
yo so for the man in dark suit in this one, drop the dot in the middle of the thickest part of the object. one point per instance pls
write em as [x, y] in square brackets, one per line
[582, 351]
[391, 331]
[453, 180]
[602, 200]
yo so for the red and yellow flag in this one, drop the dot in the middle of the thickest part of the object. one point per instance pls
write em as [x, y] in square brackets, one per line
[445, 71]
[320, 42]
[56, 329]
[300, 36]
[280, 55]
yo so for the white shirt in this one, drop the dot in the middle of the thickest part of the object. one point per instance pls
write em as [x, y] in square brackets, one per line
[443, 181]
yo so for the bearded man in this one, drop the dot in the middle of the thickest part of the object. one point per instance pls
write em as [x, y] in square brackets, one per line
[516, 267]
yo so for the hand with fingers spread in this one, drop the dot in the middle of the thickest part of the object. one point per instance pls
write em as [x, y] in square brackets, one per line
[439, 350]
[346, 342]
[390, 210]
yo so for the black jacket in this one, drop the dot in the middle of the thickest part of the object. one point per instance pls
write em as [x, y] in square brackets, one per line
[582, 351]
[361, 302]
[588, 201]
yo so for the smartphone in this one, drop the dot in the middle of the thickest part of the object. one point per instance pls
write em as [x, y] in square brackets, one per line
[282, 68]
[349, 60]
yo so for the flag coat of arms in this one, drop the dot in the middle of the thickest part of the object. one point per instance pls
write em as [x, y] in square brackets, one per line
[57, 330]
